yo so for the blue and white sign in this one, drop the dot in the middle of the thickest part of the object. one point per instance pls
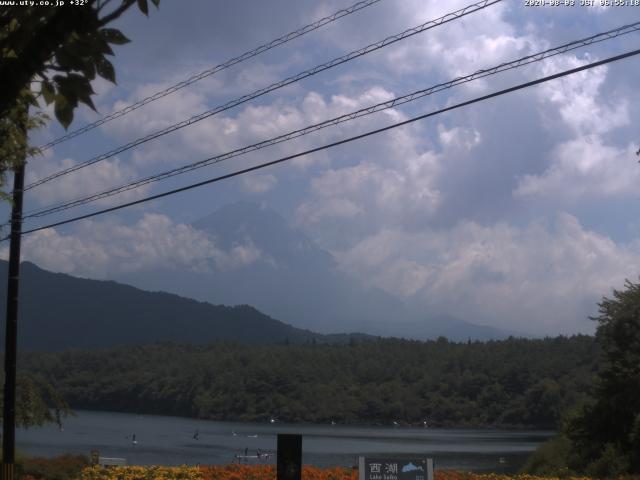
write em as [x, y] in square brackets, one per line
[395, 468]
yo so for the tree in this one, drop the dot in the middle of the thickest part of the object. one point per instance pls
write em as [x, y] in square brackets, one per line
[53, 54]
[606, 432]
[38, 401]
[61, 49]
[13, 139]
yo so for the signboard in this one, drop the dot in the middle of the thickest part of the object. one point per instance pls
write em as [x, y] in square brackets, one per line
[395, 468]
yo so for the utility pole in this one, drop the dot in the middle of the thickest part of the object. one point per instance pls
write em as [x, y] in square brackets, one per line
[11, 331]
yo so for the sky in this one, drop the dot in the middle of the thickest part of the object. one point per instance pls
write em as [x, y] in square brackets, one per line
[519, 212]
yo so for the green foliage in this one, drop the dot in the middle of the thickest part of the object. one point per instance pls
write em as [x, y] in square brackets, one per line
[62, 50]
[52, 54]
[601, 437]
[13, 140]
[37, 401]
[516, 382]
[550, 459]
[73, 49]
[606, 432]
[610, 462]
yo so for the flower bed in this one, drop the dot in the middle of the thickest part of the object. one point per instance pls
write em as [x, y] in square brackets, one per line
[266, 472]
[141, 473]
[214, 472]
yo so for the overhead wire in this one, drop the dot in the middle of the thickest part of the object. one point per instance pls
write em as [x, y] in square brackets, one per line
[275, 86]
[213, 70]
[339, 142]
[526, 60]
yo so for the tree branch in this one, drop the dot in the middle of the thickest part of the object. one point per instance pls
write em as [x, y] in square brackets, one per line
[103, 4]
[116, 13]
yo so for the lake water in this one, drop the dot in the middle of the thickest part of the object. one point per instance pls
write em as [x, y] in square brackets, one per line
[170, 441]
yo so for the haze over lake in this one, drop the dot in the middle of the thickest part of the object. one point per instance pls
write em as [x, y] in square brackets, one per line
[170, 441]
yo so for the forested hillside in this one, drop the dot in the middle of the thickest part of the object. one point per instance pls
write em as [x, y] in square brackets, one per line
[58, 311]
[498, 383]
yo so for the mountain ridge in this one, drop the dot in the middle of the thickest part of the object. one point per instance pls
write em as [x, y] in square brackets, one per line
[59, 311]
[293, 279]
[292, 290]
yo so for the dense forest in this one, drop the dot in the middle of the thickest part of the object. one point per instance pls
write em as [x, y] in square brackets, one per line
[514, 382]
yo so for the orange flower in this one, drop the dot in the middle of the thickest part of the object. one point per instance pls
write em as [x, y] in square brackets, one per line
[268, 472]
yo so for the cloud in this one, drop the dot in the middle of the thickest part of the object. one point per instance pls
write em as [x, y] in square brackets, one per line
[474, 246]
[458, 137]
[86, 181]
[540, 278]
[352, 201]
[587, 164]
[215, 134]
[578, 98]
[331, 208]
[375, 189]
[482, 39]
[397, 183]
[446, 211]
[102, 249]
[255, 183]
[251, 124]
[585, 168]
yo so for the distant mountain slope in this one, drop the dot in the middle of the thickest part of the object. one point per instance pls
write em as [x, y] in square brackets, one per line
[59, 311]
[291, 279]
[295, 280]
[452, 328]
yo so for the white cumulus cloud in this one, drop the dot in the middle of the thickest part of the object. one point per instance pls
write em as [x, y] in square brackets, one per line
[101, 249]
[537, 279]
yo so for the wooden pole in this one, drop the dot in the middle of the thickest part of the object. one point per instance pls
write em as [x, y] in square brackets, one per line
[11, 331]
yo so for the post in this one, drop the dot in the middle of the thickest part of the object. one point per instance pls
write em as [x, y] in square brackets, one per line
[289, 464]
[11, 331]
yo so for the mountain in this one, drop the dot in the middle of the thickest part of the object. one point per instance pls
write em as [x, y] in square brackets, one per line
[454, 329]
[282, 274]
[58, 311]
[291, 278]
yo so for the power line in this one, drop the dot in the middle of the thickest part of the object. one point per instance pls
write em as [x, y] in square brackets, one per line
[536, 57]
[206, 73]
[258, 93]
[339, 142]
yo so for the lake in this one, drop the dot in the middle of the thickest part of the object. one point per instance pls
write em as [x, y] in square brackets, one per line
[170, 441]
